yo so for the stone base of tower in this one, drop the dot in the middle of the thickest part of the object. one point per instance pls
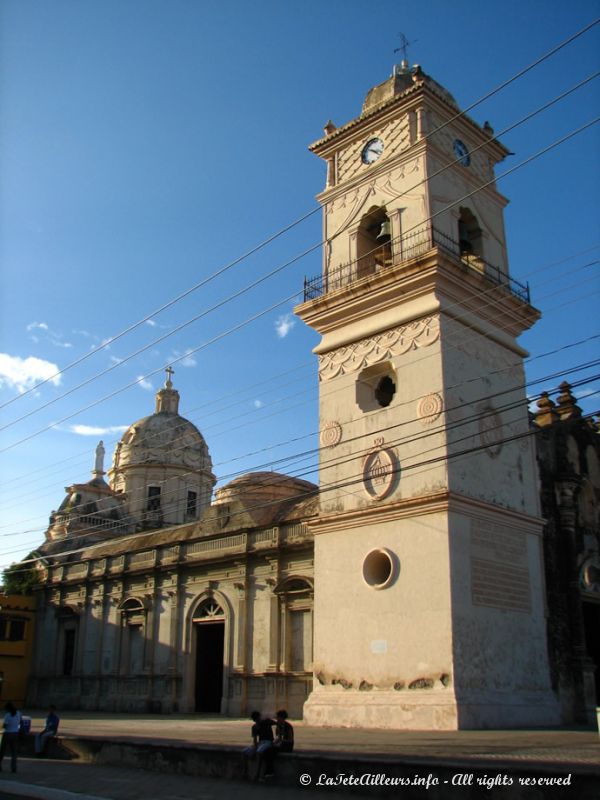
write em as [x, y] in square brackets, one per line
[423, 710]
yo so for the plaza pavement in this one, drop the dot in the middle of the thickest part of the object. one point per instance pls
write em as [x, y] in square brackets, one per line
[556, 752]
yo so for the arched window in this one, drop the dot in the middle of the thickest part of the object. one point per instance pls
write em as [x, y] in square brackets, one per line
[209, 609]
[133, 610]
[373, 242]
[469, 234]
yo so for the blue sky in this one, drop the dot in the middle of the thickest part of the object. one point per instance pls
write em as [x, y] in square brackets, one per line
[146, 144]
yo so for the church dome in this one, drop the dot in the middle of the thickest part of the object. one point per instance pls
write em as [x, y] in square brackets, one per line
[265, 487]
[164, 437]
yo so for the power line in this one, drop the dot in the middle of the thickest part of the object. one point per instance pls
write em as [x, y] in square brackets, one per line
[528, 160]
[453, 344]
[354, 480]
[218, 400]
[443, 428]
[274, 272]
[300, 219]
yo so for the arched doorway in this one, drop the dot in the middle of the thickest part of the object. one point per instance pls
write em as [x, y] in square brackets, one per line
[209, 634]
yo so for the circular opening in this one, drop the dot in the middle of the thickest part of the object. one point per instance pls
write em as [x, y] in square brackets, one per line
[378, 568]
[385, 391]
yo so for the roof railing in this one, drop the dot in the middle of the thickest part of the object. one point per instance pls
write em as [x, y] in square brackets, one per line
[407, 248]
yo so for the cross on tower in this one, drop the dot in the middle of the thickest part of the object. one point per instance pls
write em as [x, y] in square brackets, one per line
[403, 47]
[170, 372]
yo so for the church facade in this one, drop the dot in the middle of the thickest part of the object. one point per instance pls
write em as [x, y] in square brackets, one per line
[408, 589]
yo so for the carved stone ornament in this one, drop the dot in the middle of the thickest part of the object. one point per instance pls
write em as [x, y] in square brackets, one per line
[365, 352]
[429, 408]
[490, 430]
[331, 434]
[380, 471]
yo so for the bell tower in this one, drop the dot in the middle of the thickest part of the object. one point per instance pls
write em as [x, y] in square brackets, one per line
[429, 601]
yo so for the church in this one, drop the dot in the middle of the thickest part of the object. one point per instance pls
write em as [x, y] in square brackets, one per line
[445, 572]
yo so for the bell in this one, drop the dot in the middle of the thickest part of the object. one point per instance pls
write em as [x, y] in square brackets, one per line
[384, 233]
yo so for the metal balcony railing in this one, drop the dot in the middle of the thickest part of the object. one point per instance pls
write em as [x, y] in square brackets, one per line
[407, 248]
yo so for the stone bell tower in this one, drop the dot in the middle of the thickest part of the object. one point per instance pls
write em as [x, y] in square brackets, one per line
[429, 600]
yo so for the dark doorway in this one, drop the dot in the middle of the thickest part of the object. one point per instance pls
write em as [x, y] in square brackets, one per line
[591, 621]
[69, 652]
[210, 639]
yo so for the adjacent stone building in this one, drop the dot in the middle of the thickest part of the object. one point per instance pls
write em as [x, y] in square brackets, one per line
[568, 453]
[407, 590]
[210, 615]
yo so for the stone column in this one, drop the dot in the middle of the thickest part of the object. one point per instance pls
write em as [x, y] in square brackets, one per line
[352, 257]
[396, 233]
[421, 123]
[241, 636]
[274, 645]
[84, 610]
[153, 599]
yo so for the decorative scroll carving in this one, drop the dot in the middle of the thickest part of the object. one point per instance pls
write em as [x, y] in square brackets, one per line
[386, 188]
[429, 408]
[365, 352]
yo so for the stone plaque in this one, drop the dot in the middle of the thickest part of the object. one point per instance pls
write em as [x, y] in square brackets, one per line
[499, 569]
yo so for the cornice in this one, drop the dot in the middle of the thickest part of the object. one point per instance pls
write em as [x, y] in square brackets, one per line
[408, 100]
[380, 512]
[440, 502]
[461, 504]
[427, 284]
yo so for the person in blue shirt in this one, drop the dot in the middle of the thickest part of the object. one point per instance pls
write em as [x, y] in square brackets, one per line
[10, 737]
[49, 731]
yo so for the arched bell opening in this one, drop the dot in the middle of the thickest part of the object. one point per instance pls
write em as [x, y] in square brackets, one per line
[373, 242]
[470, 239]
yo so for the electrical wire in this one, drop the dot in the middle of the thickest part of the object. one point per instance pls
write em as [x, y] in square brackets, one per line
[302, 218]
[235, 328]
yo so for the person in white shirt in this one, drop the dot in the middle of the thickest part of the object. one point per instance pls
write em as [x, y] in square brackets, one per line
[10, 737]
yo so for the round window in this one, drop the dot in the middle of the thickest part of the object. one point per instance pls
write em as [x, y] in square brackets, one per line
[379, 568]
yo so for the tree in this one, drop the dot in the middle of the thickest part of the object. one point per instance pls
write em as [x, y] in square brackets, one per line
[21, 578]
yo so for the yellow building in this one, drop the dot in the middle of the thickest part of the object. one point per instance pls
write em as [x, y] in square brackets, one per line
[17, 614]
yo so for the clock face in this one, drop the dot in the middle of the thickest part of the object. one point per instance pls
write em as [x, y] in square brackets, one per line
[461, 153]
[371, 151]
